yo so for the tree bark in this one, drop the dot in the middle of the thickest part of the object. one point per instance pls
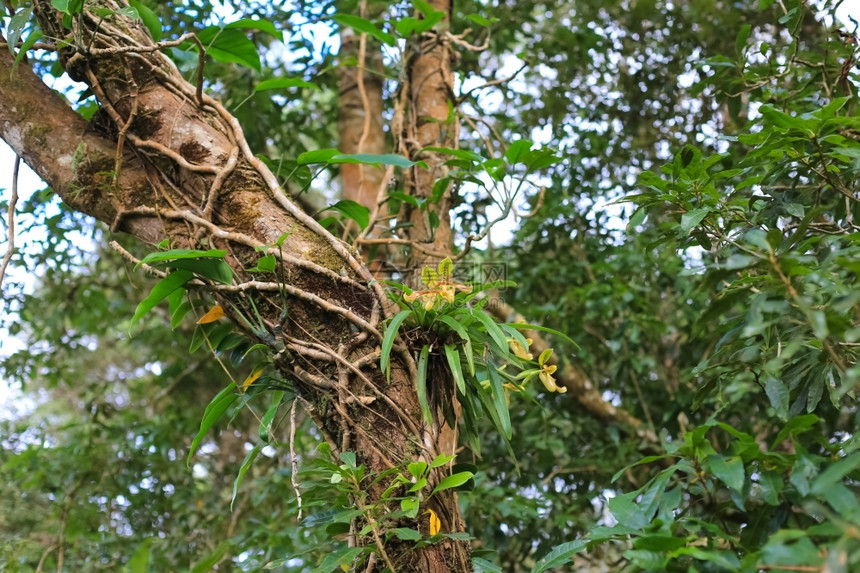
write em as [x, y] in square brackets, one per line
[166, 161]
[430, 121]
[360, 118]
[360, 130]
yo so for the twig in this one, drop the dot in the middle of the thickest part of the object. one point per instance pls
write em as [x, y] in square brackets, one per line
[298, 293]
[293, 460]
[412, 244]
[201, 62]
[235, 237]
[131, 258]
[225, 171]
[278, 194]
[145, 143]
[141, 49]
[334, 356]
[45, 554]
[137, 48]
[374, 528]
[37, 46]
[10, 250]
[487, 143]
[317, 382]
[494, 82]
[120, 141]
[232, 124]
[457, 40]
[299, 348]
[534, 211]
[381, 199]
[62, 541]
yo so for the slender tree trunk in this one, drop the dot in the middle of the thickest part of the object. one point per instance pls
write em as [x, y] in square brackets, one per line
[359, 121]
[172, 163]
[431, 121]
[360, 130]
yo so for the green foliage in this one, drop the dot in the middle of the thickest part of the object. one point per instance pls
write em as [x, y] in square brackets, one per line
[338, 488]
[767, 225]
[184, 264]
[764, 484]
[450, 316]
[722, 313]
[106, 458]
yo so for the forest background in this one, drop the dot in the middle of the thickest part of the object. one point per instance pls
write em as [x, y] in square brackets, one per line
[670, 185]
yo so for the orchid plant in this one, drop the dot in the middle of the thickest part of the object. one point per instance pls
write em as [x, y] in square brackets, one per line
[484, 359]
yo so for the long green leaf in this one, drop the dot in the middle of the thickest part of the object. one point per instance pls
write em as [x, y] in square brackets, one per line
[515, 334]
[479, 288]
[560, 555]
[460, 153]
[159, 292]
[441, 460]
[246, 465]
[490, 408]
[469, 424]
[454, 480]
[388, 340]
[497, 386]
[150, 19]
[352, 210]
[492, 329]
[176, 254]
[139, 562]
[257, 24]
[207, 563]
[284, 83]
[179, 307]
[213, 269]
[376, 159]
[265, 430]
[342, 556]
[453, 356]
[213, 412]
[483, 566]
[518, 150]
[467, 346]
[525, 326]
[25, 47]
[317, 156]
[16, 26]
[230, 45]
[421, 385]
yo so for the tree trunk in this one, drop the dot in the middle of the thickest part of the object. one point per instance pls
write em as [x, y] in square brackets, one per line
[166, 161]
[431, 121]
[359, 121]
[360, 130]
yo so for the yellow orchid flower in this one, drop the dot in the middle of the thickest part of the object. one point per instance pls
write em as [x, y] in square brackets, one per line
[518, 349]
[439, 285]
[546, 372]
[548, 381]
[428, 297]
